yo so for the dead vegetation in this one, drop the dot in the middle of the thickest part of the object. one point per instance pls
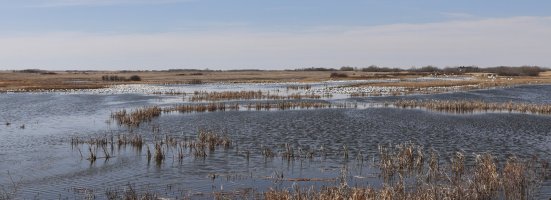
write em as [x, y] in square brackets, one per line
[407, 171]
[137, 116]
[466, 106]
[129, 193]
[246, 95]
[72, 80]
[163, 148]
[408, 174]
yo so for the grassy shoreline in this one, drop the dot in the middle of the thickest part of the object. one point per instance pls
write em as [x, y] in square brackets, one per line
[63, 80]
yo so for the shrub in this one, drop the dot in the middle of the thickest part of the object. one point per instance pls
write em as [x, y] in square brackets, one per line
[346, 68]
[113, 78]
[338, 75]
[428, 69]
[315, 69]
[516, 71]
[135, 78]
[374, 68]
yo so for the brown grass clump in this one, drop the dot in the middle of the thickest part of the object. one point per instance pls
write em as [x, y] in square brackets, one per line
[464, 106]
[517, 179]
[137, 116]
[486, 176]
[280, 105]
[211, 107]
[130, 194]
[145, 114]
[213, 140]
[162, 146]
[134, 140]
[246, 95]
[402, 159]
[296, 105]
[227, 95]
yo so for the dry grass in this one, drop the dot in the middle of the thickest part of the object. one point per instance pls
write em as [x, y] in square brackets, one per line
[130, 194]
[517, 179]
[246, 95]
[162, 147]
[278, 105]
[464, 106]
[211, 107]
[213, 140]
[407, 171]
[291, 105]
[60, 80]
[479, 81]
[137, 116]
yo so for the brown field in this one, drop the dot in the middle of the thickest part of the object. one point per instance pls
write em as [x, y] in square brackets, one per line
[84, 80]
[59, 80]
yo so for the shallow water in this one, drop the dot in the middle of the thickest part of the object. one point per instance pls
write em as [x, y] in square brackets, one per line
[41, 158]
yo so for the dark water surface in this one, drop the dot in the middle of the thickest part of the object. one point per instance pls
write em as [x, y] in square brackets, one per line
[40, 158]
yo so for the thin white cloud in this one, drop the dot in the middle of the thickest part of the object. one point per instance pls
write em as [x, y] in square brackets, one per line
[458, 15]
[488, 42]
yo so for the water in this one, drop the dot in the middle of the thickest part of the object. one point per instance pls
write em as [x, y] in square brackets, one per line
[40, 158]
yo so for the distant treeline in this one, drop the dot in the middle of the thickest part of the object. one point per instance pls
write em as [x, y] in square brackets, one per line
[501, 70]
[120, 78]
[35, 71]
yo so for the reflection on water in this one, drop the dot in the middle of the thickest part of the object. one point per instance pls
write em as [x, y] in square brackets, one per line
[40, 154]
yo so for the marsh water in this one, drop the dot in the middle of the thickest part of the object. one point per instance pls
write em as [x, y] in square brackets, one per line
[37, 156]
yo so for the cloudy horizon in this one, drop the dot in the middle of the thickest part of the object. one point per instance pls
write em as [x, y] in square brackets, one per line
[168, 34]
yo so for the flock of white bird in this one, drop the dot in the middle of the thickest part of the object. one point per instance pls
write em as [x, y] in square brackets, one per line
[341, 87]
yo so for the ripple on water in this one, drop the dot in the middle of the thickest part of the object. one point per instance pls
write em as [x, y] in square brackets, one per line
[41, 156]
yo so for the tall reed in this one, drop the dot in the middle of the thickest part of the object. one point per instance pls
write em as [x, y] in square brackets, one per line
[137, 116]
[462, 106]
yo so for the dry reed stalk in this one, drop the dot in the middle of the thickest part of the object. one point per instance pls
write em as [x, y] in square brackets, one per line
[463, 106]
[246, 95]
[159, 153]
[486, 176]
[458, 166]
[137, 116]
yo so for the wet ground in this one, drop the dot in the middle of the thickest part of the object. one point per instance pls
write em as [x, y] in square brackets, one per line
[35, 149]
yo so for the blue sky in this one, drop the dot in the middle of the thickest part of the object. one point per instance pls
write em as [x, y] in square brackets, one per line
[162, 34]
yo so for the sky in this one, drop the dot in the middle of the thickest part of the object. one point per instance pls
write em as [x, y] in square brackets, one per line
[276, 34]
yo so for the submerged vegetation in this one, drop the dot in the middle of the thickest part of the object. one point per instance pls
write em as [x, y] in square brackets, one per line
[137, 116]
[180, 147]
[403, 171]
[463, 106]
[406, 171]
[409, 172]
[246, 95]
